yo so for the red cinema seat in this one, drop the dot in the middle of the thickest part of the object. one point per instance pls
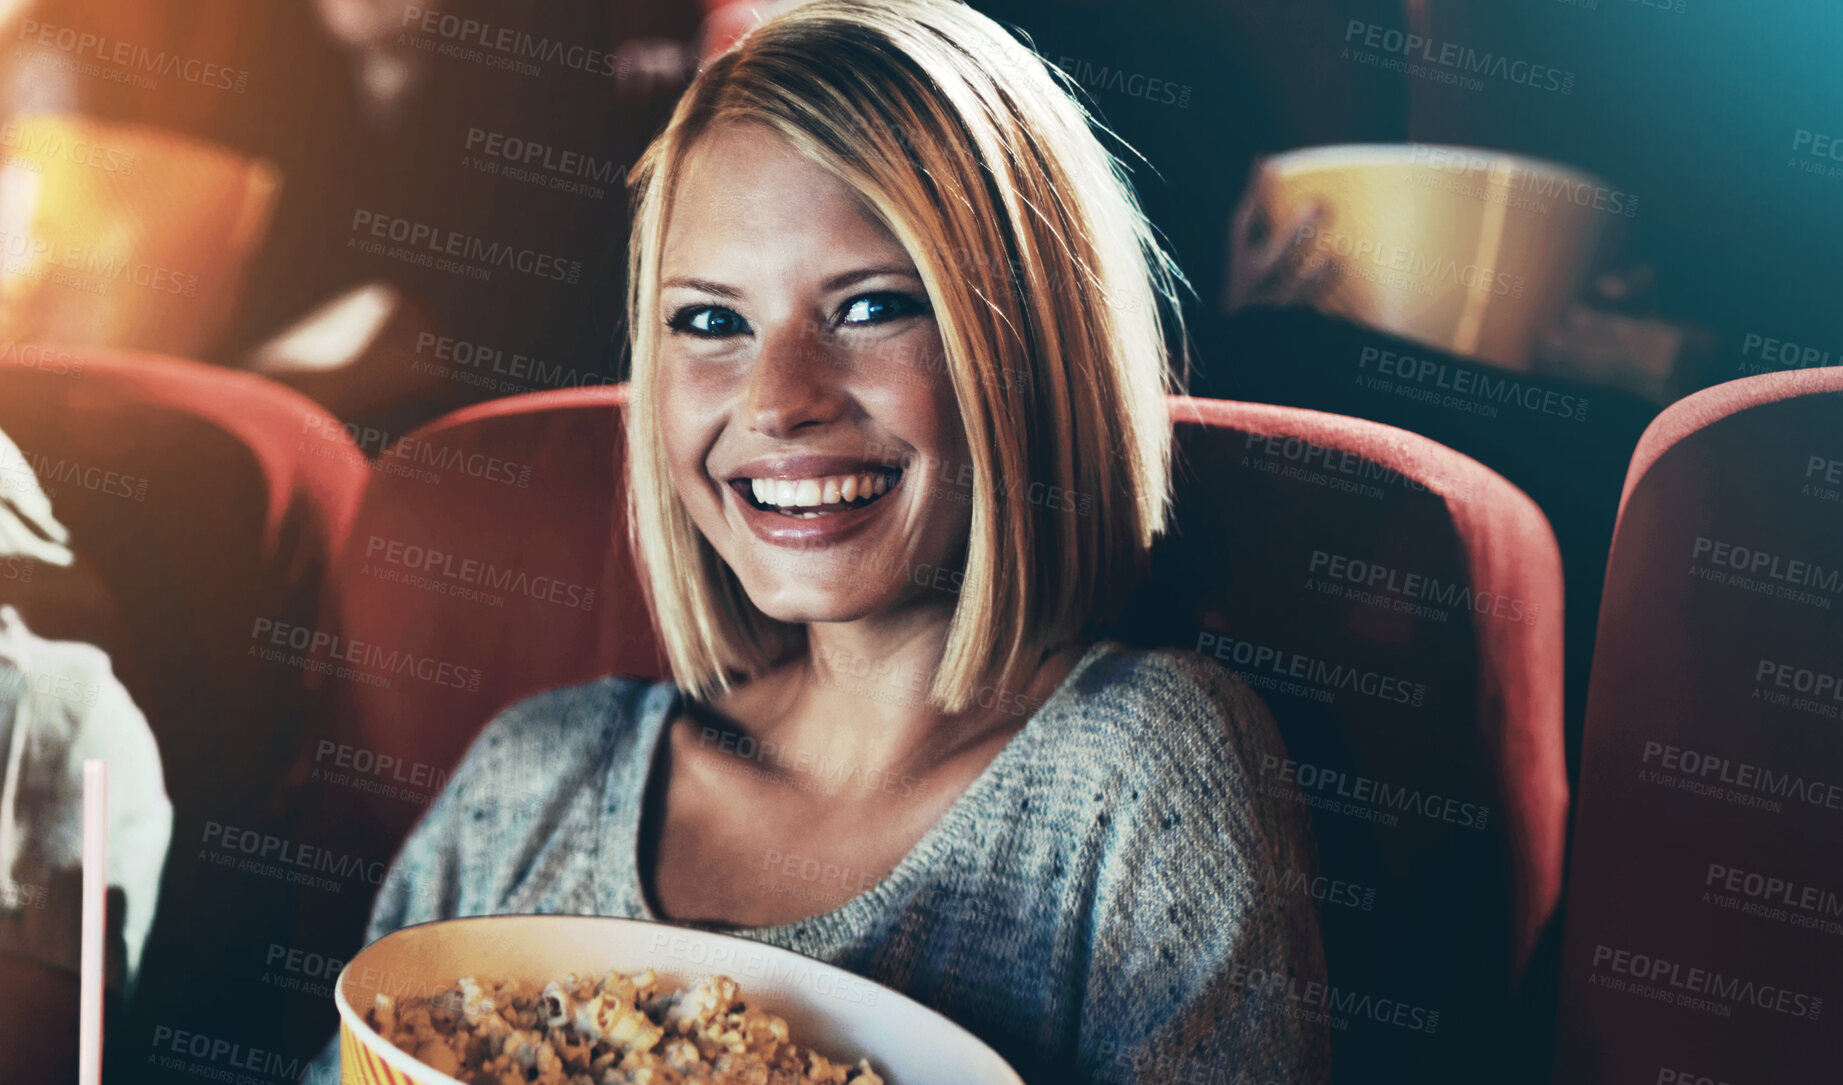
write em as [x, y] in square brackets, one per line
[210, 505]
[1704, 933]
[486, 564]
[1397, 605]
[1440, 686]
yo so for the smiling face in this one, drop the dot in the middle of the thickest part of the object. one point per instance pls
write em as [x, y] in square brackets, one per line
[804, 403]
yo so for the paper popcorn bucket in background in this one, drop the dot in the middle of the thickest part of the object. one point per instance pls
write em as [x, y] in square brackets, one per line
[118, 235]
[1471, 251]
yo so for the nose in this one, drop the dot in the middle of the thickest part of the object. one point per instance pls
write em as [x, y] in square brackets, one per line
[793, 382]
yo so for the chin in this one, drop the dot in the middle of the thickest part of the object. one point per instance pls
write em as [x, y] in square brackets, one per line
[794, 601]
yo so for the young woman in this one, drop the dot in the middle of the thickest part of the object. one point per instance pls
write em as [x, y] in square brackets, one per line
[898, 444]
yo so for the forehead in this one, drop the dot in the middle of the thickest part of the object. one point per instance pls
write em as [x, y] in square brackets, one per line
[746, 198]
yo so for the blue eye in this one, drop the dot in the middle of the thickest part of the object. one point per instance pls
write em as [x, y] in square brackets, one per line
[877, 308]
[708, 322]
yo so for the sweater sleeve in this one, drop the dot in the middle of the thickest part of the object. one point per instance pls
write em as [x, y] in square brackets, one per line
[456, 860]
[1195, 949]
[520, 769]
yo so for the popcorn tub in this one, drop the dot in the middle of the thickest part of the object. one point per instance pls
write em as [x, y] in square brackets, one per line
[841, 1015]
[1473, 251]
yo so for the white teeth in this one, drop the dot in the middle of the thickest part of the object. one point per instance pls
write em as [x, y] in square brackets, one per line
[811, 493]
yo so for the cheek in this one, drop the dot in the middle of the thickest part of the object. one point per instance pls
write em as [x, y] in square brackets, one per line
[924, 397]
[685, 431]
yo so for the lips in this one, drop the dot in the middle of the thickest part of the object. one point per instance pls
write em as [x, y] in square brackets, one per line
[811, 500]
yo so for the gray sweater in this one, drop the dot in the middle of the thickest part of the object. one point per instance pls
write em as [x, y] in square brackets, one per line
[1100, 905]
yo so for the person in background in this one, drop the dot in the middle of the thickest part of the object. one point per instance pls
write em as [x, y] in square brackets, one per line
[60, 704]
[379, 116]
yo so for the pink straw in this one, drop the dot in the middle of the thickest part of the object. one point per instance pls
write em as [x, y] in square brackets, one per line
[95, 890]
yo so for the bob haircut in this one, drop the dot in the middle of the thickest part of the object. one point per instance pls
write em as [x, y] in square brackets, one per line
[1046, 281]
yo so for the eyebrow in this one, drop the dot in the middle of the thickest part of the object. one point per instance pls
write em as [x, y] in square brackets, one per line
[836, 282]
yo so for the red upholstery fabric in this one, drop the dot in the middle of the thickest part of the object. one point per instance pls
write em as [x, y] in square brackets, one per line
[207, 502]
[1455, 908]
[1398, 607]
[489, 563]
[1705, 680]
[484, 566]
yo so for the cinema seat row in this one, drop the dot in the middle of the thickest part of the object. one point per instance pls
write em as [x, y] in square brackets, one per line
[318, 621]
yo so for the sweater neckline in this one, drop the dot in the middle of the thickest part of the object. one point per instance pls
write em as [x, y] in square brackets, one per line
[662, 702]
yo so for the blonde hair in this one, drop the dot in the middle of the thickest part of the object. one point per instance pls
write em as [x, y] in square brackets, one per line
[1045, 279]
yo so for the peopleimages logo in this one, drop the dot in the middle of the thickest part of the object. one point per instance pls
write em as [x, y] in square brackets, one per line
[90, 269]
[397, 454]
[1817, 144]
[61, 363]
[286, 860]
[1765, 572]
[1489, 387]
[172, 1047]
[31, 470]
[127, 55]
[1702, 772]
[42, 144]
[1262, 659]
[527, 152]
[367, 660]
[1668, 1076]
[464, 574]
[1510, 176]
[1334, 999]
[1771, 890]
[1376, 577]
[1696, 988]
[1303, 460]
[505, 42]
[1777, 354]
[1799, 679]
[749, 963]
[1317, 782]
[1420, 267]
[480, 254]
[1457, 59]
[477, 363]
[1816, 153]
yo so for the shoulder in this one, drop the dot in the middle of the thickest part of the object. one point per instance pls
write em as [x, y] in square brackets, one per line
[1188, 748]
[1173, 705]
[505, 801]
[545, 735]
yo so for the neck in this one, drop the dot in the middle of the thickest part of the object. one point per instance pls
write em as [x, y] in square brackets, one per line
[860, 695]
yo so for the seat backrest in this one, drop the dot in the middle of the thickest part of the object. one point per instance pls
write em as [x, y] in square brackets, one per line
[488, 562]
[1395, 603]
[210, 502]
[1398, 607]
[1703, 911]
[209, 505]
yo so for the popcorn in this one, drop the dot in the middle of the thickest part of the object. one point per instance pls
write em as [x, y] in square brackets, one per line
[620, 1030]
